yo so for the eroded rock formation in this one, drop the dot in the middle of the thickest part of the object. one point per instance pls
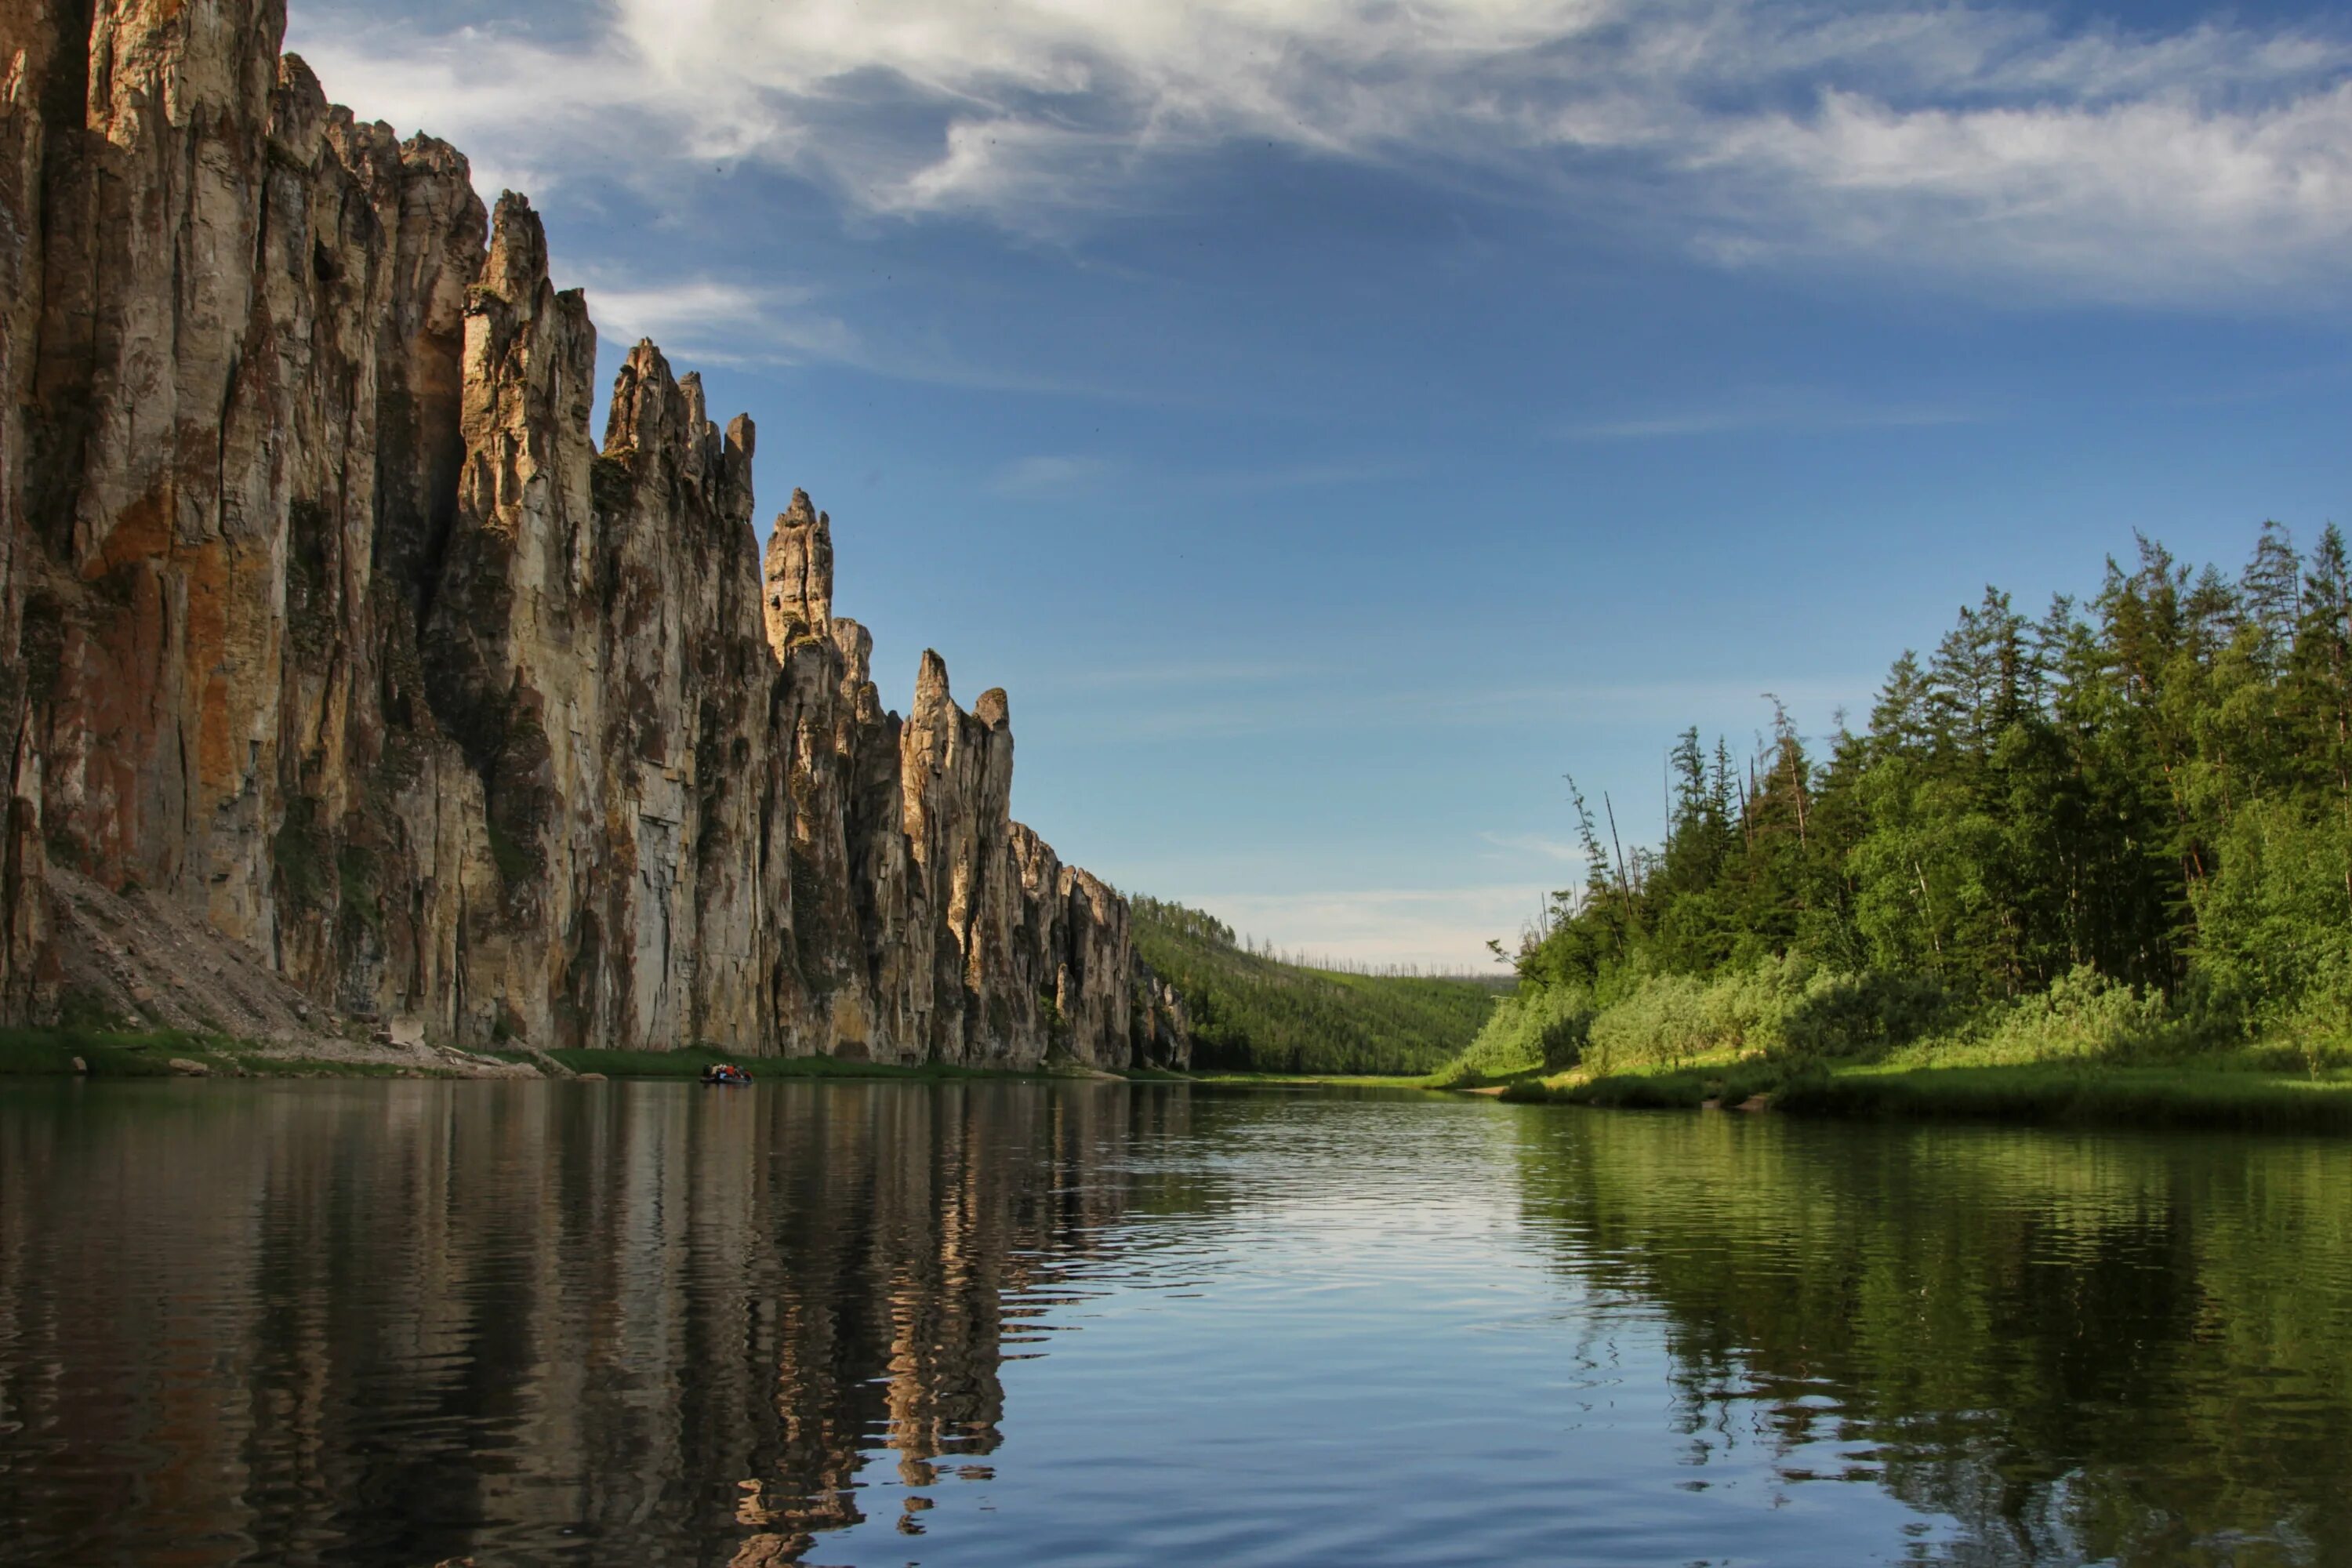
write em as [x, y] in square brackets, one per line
[326, 618]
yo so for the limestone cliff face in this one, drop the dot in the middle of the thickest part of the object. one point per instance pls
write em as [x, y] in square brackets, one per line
[1161, 1024]
[325, 618]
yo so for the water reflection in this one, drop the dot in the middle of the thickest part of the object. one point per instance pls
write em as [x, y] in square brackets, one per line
[2079, 1348]
[390, 1326]
[405, 1323]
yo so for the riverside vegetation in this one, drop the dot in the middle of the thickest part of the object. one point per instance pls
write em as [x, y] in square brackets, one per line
[1252, 1011]
[2098, 863]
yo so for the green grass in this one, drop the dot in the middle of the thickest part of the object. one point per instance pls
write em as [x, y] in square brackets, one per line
[1822, 1043]
[2245, 1093]
[2175, 1096]
[108, 1053]
[128, 1053]
[1254, 1013]
[1663, 1089]
[50, 1052]
[1312, 1079]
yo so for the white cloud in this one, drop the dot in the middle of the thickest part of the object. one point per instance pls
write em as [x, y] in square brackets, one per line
[715, 322]
[2206, 164]
[2156, 197]
[711, 322]
[1441, 928]
[1525, 844]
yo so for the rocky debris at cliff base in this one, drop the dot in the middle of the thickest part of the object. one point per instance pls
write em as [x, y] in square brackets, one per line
[134, 962]
[142, 962]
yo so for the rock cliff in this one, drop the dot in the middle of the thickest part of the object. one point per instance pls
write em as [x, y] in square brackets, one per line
[327, 621]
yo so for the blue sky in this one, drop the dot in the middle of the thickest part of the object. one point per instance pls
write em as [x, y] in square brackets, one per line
[1333, 420]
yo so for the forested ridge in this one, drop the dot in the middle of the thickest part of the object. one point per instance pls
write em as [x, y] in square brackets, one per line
[2119, 830]
[1252, 1011]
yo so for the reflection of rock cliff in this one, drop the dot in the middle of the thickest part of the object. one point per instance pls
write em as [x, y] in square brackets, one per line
[325, 616]
[633, 1326]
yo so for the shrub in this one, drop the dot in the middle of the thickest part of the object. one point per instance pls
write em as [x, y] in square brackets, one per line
[1668, 1019]
[1860, 1015]
[1537, 1029]
[2086, 1016]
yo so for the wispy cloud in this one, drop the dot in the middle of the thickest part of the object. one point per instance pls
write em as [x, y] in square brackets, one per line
[1329, 473]
[1181, 673]
[718, 323]
[1782, 410]
[1663, 706]
[1052, 476]
[1434, 927]
[1526, 844]
[1990, 145]
[714, 322]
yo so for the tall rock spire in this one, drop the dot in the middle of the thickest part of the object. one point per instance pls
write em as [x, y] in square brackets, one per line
[799, 576]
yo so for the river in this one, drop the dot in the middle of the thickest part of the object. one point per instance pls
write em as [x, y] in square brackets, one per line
[397, 1325]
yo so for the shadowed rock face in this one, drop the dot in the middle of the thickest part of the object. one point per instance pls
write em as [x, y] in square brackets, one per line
[325, 616]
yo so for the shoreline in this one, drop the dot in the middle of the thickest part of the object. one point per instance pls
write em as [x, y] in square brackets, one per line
[2239, 1096]
[54, 1052]
[2228, 1094]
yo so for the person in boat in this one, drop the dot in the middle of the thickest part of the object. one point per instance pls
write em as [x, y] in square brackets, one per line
[725, 1072]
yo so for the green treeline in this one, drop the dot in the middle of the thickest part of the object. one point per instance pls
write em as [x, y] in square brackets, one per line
[2122, 831]
[1252, 1013]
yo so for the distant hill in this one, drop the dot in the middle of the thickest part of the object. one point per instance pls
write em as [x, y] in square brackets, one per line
[1252, 1011]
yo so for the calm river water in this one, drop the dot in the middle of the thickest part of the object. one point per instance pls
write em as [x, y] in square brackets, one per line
[404, 1324]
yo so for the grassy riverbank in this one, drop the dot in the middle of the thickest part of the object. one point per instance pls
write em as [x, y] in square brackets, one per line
[53, 1052]
[2250, 1090]
[1311, 1080]
[123, 1053]
[2248, 1093]
[1818, 1042]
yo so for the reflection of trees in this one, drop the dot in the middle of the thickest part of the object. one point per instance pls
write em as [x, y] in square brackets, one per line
[404, 1324]
[2079, 1348]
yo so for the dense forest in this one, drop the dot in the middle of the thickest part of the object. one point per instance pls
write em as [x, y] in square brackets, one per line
[1254, 1012]
[2122, 830]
